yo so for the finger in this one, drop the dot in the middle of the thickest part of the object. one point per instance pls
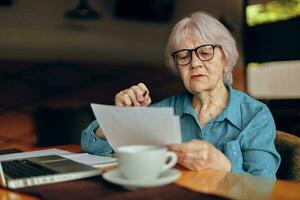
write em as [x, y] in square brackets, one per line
[187, 165]
[186, 158]
[191, 146]
[190, 167]
[180, 157]
[195, 161]
[132, 96]
[142, 86]
[185, 155]
[194, 165]
[180, 161]
[183, 161]
[122, 99]
[187, 161]
[119, 104]
[147, 101]
[139, 93]
[183, 147]
[184, 165]
[175, 148]
[118, 99]
[144, 89]
[126, 100]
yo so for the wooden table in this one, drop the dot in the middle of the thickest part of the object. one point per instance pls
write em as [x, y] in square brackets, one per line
[216, 182]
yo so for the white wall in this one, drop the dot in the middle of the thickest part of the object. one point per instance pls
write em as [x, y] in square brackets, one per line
[36, 29]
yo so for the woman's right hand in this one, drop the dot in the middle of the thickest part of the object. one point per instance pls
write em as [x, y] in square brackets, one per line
[136, 95]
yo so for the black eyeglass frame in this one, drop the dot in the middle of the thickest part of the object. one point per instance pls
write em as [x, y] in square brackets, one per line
[195, 49]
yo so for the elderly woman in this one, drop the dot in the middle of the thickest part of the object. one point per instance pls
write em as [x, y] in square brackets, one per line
[222, 128]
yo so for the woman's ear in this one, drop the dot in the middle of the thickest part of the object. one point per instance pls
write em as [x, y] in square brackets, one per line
[225, 62]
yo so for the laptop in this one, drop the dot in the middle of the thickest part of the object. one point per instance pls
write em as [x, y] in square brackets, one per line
[24, 172]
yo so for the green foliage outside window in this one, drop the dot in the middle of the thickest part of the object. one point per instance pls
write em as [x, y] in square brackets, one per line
[272, 11]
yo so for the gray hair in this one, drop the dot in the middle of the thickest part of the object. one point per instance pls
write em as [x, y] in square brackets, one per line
[206, 29]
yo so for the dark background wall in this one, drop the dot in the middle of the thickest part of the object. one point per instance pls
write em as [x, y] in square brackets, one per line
[273, 41]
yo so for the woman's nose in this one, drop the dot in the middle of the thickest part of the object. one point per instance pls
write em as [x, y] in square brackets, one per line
[195, 61]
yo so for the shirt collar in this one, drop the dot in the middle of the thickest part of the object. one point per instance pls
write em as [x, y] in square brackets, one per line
[185, 106]
[232, 111]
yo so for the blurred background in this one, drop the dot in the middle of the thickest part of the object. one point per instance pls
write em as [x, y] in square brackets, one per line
[58, 56]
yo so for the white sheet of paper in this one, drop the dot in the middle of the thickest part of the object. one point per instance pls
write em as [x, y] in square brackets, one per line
[85, 158]
[138, 125]
[92, 160]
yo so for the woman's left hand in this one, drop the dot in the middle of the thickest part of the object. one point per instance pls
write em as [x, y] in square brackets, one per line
[198, 155]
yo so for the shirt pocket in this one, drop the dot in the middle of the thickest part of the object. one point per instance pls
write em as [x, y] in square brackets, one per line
[233, 152]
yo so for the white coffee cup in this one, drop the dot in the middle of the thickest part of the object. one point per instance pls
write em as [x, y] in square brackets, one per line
[144, 162]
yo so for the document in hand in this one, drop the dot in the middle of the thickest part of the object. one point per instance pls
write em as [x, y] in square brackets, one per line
[138, 125]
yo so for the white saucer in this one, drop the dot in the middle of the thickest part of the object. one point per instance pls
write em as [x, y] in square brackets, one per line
[115, 176]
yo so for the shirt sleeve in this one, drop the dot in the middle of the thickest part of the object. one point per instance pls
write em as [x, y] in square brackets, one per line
[254, 151]
[91, 143]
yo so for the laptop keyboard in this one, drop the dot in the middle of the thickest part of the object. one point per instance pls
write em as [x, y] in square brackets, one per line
[24, 168]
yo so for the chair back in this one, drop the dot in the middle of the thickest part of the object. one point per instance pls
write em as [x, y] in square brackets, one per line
[288, 146]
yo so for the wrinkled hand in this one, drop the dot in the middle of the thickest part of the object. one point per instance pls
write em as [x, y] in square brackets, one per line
[198, 155]
[136, 95]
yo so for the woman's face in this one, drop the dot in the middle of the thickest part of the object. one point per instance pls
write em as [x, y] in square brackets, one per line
[199, 76]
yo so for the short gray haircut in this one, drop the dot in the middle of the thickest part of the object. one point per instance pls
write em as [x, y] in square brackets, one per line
[206, 29]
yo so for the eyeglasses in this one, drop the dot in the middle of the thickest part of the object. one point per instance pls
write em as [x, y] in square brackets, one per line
[203, 52]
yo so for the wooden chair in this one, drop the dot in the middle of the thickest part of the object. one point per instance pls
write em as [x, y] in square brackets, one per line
[288, 146]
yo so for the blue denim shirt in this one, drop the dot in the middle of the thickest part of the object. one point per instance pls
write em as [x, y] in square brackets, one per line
[244, 132]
